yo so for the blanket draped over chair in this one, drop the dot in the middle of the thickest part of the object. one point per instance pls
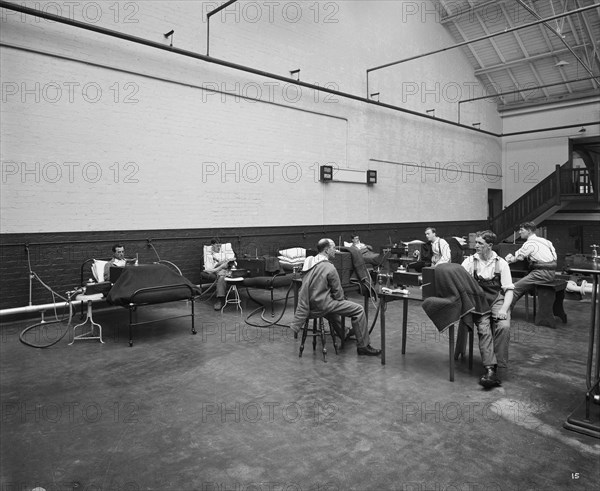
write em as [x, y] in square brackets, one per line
[458, 296]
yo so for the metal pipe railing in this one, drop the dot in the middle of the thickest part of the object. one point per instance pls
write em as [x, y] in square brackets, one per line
[208, 16]
[235, 66]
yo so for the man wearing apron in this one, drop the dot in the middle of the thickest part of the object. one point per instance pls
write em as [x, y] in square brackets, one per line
[493, 329]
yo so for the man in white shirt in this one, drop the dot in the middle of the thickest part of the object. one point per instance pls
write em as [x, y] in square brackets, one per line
[541, 256]
[217, 267]
[439, 247]
[117, 261]
[493, 329]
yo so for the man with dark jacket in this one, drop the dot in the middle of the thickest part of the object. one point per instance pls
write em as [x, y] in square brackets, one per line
[321, 295]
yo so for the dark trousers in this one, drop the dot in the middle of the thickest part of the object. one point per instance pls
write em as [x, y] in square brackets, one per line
[527, 283]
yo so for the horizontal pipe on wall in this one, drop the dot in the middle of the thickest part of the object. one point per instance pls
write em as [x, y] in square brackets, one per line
[146, 42]
[235, 66]
[29, 309]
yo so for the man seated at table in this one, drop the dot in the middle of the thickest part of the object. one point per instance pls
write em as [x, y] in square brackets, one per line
[321, 295]
[493, 328]
[217, 267]
[117, 261]
[541, 256]
[439, 247]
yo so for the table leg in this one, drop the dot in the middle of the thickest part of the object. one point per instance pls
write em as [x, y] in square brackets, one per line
[451, 352]
[404, 323]
[382, 327]
[296, 288]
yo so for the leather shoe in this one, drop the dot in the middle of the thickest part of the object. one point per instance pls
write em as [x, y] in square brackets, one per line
[490, 379]
[368, 350]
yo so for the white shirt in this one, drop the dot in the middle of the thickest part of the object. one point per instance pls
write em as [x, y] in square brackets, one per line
[487, 269]
[441, 252]
[537, 250]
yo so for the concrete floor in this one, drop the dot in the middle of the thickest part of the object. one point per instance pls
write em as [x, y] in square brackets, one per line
[234, 408]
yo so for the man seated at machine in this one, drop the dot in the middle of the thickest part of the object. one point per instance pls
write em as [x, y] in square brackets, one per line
[117, 261]
[542, 260]
[218, 262]
[322, 295]
[362, 255]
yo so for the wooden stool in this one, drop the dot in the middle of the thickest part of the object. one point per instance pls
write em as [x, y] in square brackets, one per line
[550, 296]
[318, 330]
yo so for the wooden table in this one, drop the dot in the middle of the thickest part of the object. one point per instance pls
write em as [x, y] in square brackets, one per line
[586, 418]
[384, 299]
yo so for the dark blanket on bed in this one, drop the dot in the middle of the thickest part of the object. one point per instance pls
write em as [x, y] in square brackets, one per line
[459, 297]
[135, 278]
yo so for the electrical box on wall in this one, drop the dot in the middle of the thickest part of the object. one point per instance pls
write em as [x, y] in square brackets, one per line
[326, 173]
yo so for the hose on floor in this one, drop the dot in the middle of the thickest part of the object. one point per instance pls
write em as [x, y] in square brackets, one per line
[33, 275]
[262, 308]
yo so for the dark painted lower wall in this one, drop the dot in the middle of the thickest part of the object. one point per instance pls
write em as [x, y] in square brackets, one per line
[57, 258]
[572, 237]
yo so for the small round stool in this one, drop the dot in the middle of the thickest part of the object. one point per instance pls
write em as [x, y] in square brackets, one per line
[318, 330]
[90, 334]
[233, 296]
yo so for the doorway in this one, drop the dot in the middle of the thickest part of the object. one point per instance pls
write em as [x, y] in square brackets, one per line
[494, 203]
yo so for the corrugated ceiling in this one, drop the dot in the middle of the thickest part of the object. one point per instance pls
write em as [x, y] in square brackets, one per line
[553, 61]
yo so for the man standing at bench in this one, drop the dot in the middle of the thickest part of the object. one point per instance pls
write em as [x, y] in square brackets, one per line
[542, 260]
[321, 295]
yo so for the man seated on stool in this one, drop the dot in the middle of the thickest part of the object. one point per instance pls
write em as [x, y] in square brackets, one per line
[542, 260]
[217, 269]
[117, 261]
[493, 329]
[321, 295]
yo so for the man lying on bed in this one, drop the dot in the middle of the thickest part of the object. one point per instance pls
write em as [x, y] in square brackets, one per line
[217, 267]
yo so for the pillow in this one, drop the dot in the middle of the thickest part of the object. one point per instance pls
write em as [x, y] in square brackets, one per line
[299, 261]
[293, 253]
[225, 253]
[98, 270]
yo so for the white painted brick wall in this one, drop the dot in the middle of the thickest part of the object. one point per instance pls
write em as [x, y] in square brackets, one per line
[174, 152]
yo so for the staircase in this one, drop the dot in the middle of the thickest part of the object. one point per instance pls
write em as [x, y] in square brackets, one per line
[560, 189]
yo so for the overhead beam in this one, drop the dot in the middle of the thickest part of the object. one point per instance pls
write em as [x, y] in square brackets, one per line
[545, 23]
[528, 59]
[482, 38]
[470, 11]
